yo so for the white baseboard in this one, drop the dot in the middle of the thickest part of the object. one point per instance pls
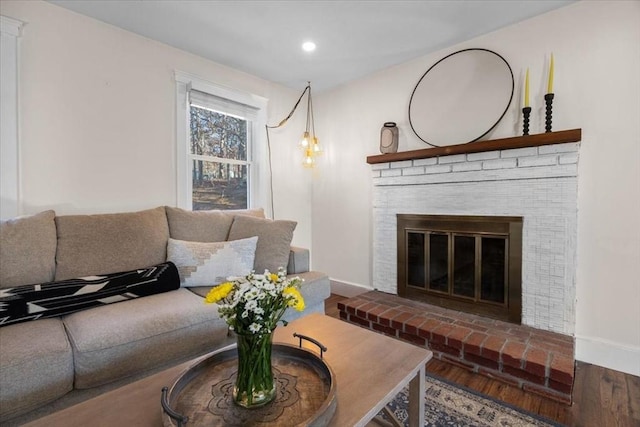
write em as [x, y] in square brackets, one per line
[609, 354]
[347, 289]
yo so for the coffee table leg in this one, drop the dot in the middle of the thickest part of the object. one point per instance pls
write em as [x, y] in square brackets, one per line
[416, 399]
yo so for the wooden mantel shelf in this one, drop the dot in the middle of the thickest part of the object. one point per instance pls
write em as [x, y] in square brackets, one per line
[560, 137]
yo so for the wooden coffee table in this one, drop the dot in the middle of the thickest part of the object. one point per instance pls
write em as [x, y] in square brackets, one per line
[370, 369]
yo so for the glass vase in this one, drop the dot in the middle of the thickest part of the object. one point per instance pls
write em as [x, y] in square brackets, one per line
[255, 385]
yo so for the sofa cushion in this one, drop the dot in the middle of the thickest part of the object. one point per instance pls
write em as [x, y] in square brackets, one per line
[315, 289]
[274, 240]
[298, 260]
[28, 249]
[36, 365]
[209, 264]
[204, 226]
[32, 302]
[119, 340]
[109, 243]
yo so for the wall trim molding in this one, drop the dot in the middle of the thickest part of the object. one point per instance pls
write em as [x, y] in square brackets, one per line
[609, 354]
[347, 289]
[11, 26]
[10, 30]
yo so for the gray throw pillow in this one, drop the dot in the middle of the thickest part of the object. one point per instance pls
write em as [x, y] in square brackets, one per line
[211, 263]
[110, 243]
[28, 249]
[274, 240]
[204, 226]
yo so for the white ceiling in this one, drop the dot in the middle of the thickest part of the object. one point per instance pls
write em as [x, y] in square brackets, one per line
[354, 38]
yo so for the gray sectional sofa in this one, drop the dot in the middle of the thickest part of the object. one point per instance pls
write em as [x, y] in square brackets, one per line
[49, 363]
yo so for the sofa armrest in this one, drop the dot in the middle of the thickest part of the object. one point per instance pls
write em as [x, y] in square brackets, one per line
[298, 260]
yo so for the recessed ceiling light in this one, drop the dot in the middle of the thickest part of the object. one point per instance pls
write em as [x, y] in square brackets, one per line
[308, 46]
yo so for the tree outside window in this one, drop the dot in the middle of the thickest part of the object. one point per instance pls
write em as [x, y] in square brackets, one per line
[219, 152]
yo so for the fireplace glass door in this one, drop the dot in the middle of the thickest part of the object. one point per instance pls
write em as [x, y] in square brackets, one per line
[438, 263]
[463, 266]
[462, 262]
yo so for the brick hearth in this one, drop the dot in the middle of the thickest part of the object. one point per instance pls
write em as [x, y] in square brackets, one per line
[538, 361]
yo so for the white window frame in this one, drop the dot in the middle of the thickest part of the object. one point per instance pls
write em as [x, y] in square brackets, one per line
[10, 32]
[184, 164]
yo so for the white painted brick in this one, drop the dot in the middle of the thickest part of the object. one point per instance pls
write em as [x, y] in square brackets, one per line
[437, 169]
[528, 162]
[487, 155]
[568, 158]
[413, 171]
[456, 158]
[466, 167]
[390, 172]
[559, 148]
[547, 203]
[404, 164]
[499, 164]
[542, 172]
[379, 166]
[570, 169]
[425, 162]
[375, 174]
[545, 196]
[519, 152]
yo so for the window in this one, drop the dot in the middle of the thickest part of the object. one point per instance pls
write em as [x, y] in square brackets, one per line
[220, 148]
[218, 131]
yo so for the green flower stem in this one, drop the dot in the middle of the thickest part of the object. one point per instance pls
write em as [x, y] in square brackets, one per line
[254, 382]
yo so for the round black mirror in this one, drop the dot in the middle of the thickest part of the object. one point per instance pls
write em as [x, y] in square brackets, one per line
[461, 97]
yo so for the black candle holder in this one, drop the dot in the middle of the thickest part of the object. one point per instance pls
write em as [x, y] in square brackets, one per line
[526, 111]
[548, 99]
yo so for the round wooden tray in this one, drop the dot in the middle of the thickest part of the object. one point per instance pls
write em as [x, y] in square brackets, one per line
[306, 392]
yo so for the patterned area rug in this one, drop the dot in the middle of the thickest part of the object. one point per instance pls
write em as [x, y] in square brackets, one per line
[450, 405]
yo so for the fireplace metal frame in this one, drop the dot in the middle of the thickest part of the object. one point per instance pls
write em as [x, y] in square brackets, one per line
[509, 227]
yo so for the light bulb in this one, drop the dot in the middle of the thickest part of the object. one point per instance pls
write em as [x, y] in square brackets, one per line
[309, 161]
[308, 46]
[304, 143]
[316, 146]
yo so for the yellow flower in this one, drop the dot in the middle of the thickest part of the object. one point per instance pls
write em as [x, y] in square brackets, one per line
[298, 301]
[219, 292]
[273, 277]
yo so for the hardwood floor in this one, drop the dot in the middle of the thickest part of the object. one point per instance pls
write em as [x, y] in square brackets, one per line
[602, 397]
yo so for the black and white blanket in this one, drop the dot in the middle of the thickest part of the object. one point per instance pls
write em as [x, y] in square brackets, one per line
[38, 301]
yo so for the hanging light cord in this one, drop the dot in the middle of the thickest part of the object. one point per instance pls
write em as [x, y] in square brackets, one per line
[282, 123]
[313, 122]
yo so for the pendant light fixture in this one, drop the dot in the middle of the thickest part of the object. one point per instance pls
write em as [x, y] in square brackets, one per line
[309, 143]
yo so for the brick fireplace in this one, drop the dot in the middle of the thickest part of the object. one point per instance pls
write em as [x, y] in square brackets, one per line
[532, 178]
[537, 183]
